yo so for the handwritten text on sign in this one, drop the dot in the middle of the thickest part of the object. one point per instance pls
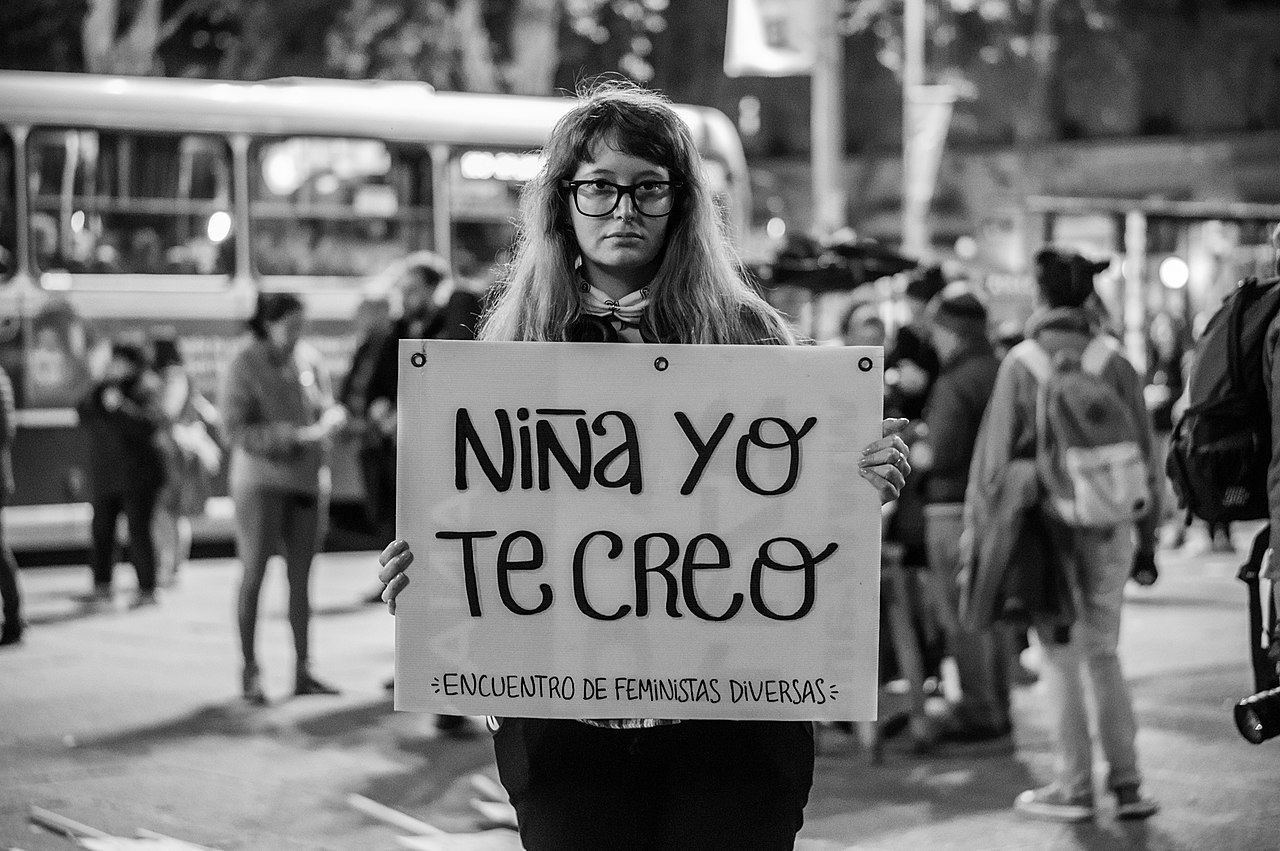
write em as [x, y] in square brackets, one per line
[615, 531]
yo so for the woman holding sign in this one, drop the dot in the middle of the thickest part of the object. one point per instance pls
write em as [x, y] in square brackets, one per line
[621, 242]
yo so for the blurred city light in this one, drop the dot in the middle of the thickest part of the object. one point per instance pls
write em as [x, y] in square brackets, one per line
[776, 228]
[1174, 272]
[485, 165]
[219, 226]
[280, 171]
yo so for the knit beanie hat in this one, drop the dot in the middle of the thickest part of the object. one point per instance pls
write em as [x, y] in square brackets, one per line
[1065, 279]
[958, 309]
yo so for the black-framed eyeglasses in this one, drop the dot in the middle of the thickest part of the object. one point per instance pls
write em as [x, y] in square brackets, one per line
[598, 197]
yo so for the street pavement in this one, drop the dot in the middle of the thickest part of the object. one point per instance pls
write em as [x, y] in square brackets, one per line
[128, 720]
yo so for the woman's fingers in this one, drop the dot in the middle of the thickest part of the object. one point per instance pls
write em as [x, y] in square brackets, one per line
[889, 451]
[886, 479]
[894, 425]
[393, 589]
[395, 564]
[885, 462]
[391, 551]
[395, 558]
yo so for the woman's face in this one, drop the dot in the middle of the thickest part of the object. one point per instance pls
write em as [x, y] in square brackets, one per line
[286, 331]
[623, 245]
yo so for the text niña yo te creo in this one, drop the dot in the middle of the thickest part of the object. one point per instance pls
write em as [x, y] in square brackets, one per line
[531, 449]
[712, 690]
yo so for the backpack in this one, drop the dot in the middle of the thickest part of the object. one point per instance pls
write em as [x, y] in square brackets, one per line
[1221, 445]
[1089, 454]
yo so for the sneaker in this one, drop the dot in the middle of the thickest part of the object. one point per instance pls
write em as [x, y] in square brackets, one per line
[1052, 802]
[144, 598]
[1130, 803]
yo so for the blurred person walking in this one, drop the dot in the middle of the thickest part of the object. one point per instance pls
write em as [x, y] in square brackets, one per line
[957, 323]
[1082, 672]
[122, 418]
[193, 458]
[10, 593]
[280, 416]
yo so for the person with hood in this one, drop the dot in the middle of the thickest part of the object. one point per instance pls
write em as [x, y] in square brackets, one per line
[1081, 665]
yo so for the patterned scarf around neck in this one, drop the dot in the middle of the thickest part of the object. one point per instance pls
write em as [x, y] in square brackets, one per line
[629, 309]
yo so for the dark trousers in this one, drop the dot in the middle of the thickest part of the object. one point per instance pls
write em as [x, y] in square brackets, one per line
[701, 785]
[269, 523]
[10, 597]
[378, 476]
[138, 507]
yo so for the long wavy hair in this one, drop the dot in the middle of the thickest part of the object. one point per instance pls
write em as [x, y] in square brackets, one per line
[698, 294]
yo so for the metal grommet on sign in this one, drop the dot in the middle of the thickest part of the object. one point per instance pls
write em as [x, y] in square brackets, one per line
[418, 359]
[660, 364]
[865, 364]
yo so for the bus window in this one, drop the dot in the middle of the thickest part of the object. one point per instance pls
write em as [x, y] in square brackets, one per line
[115, 202]
[330, 207]
[8, 213]
[484, 198]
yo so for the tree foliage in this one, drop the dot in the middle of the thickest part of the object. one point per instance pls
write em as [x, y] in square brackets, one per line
[1012, 53]
[469, 45]
[41, 35]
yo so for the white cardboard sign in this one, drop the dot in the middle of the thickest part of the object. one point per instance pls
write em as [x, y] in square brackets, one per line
[638, 531]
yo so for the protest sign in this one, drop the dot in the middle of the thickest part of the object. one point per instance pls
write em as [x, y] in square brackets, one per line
[638, 531]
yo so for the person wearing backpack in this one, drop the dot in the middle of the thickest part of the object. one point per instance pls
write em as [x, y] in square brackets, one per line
[1266, 666]
[1067, 400]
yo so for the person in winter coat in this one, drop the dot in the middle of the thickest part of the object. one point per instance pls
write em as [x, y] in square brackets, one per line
[1082, 673]
[121, 416]
[957, 321]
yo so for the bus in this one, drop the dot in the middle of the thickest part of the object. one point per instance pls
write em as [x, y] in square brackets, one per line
[149, 207]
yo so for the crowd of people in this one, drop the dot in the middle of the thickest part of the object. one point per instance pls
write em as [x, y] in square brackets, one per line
[620, 242]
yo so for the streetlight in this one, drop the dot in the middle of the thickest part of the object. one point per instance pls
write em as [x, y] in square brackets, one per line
[1174, 272]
